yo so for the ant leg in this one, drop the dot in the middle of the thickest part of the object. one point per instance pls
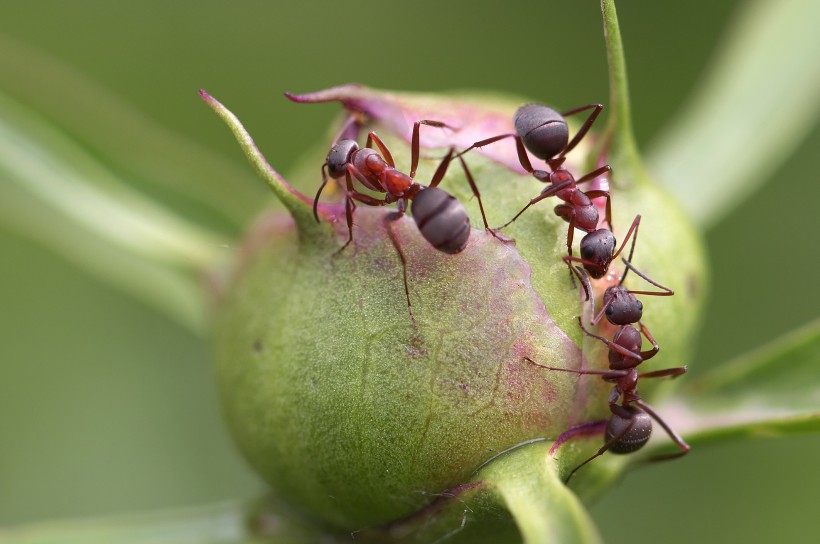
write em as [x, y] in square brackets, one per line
[629, 234]
[442, 168]
[570, 259]
[613, 346]
[584, 429]
[585, 283]
[414, 146]
[607, 445]
[519, 146]
[648, 354]
[596, 110]
[582, 276]
[474, 188]
[665, 291]
[567, 212]
[684, 447]
[361, 197]
[546, 193]
[603, 373]
[570, 234]
[319, 192]
[388, 220]
[349, 207]
[665, 373]
[383, 149]
[594, 174]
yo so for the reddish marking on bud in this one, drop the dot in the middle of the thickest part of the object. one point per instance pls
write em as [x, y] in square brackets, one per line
[472, 121]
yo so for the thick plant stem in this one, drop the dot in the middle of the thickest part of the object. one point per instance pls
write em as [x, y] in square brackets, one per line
[545, 510]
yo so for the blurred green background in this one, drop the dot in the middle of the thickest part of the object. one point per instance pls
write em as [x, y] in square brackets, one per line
[108, 406]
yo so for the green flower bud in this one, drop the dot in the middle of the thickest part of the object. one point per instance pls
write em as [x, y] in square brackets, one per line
[356, 415]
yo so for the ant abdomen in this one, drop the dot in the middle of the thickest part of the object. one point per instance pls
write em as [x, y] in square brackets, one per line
[441, 219]
[542, 129]
[633, 431]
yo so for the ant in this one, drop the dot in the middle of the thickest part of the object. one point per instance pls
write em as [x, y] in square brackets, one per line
[544, 132]
[440, 217]
[630, 425]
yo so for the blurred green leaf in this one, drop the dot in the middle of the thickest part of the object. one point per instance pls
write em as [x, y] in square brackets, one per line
[224, 523]
[757, 103]
[55, 192]
[770, 392]
[139, 149]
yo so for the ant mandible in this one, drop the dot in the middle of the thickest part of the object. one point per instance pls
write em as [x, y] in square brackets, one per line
[630, 425]
[544, 132]
[440, 217]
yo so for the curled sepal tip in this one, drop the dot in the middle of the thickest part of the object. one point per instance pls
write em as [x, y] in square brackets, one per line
[299, 205]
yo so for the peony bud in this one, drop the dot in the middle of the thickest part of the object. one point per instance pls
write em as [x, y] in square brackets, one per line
[356, 414]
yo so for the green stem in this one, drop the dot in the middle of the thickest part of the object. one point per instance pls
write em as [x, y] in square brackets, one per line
[545, 510]
[619, 136]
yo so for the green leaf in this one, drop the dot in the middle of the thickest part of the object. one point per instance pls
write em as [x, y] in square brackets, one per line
[755, 106]
[136, 147]
[224, 523]
[53, 191]
[770, 392]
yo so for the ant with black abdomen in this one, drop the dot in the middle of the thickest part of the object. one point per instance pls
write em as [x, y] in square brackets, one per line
[544, 132]
[440, 217]
[630, 423]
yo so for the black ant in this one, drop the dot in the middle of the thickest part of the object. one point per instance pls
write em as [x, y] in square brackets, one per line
[544, 132]
[630, 425]
[440, 217]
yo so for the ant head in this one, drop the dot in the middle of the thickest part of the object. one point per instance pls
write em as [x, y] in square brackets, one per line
[543, 130]
[441, 219]
[597, 248]
[339, 157]
[634, 430]
[622, 308]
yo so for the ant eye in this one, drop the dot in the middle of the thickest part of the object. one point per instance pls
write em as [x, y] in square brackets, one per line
[610, 310]
[587, 252]
[640, 305]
